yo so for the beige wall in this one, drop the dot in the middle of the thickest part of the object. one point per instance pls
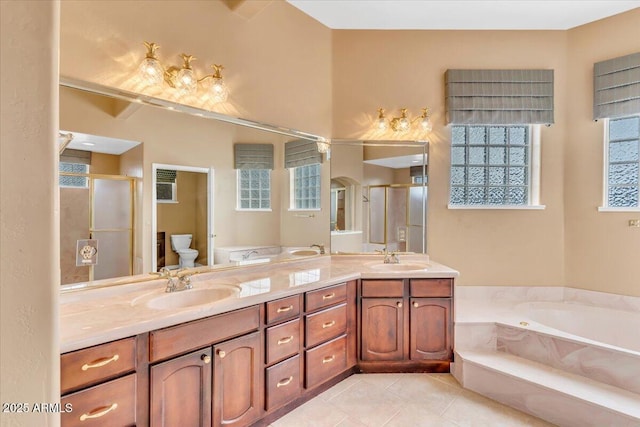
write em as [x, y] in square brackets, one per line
[602, 251]
[29, 218]
[131, 164]
[107, 164]
[406, 69]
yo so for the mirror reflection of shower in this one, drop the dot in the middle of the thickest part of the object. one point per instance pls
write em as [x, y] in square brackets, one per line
[378, 196]
[97, 179]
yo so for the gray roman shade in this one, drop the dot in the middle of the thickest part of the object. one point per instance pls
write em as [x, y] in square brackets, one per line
[301, 153]
[76, 156]
[165, 175]
[616, 85]
[253, 156]
[500, 97]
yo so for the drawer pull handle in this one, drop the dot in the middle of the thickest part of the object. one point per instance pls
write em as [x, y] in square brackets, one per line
[329, 296]
[328, 324]
[399, 305]
[284, 382]
[284, 309]
[99, 412]
[329, 359]
[100, 362]
[205, 358]
[222, 354]
[416, 305]
[286, 340]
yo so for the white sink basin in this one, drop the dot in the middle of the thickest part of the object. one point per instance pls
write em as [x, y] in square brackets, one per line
[304, 252]
[399, 267]
[192, 297]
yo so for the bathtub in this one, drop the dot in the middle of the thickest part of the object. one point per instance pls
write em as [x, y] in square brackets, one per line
[595, 342]
[616, 328]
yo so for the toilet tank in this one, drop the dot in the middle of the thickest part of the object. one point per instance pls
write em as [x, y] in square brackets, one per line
[180, 241]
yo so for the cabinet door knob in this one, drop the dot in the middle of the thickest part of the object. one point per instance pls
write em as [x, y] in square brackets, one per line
[205, 358]
[416, 305]
[329, 359]
[399, 305]
[222, 354]
[286, 340]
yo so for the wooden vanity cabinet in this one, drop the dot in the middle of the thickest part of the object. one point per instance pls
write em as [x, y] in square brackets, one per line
[406, 325]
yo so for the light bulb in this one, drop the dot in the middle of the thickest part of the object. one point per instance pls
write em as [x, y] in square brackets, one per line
[426, 124]
[185, 81]
[381, 122]
[404, 124]
[150, 69]
[219, 91]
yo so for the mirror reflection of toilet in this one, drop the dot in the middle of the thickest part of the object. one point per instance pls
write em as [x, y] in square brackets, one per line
[180, 243]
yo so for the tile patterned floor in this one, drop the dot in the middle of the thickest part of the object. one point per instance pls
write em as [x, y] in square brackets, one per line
[404, 400]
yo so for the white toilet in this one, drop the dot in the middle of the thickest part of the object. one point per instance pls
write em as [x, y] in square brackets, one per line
[180, 243]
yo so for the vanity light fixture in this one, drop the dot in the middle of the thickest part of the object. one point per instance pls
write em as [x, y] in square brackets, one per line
[403, 123]
[183, 78]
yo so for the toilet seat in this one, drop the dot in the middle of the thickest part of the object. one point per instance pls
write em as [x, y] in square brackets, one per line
[187, 251]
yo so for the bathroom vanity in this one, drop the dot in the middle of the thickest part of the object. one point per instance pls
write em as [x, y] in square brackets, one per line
[292, 330]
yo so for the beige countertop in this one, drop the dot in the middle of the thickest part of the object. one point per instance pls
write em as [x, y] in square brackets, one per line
[95, 316]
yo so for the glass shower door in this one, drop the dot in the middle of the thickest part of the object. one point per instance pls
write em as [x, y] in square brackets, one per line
[112, 226]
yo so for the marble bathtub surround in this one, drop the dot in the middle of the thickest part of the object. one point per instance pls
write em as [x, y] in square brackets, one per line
[100, 315]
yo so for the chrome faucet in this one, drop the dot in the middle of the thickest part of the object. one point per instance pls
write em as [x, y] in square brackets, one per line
[179, 281]
[391, 258]
[248, 254]
[321, 247]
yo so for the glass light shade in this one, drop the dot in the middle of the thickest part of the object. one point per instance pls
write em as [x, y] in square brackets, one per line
[151, 72]
[404, 124]
[219, 90]
[186, 81]
[426, 125]
[381, 124]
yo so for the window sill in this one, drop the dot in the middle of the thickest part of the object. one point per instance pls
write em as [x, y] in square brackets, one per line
[499, 207]
[253, 210]
[304, 210]
[175, 202]
[608, 209]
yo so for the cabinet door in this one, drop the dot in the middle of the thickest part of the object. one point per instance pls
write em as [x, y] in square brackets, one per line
[181, 391]
[237, 388]
[382, 333]
[430, 329]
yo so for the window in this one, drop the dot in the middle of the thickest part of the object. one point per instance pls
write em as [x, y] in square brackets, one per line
[73, 181]
[491, 165]
[305, 187]
[254, 189]
[622, 147]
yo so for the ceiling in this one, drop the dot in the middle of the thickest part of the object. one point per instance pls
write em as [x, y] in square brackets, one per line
[460, 14]
[99, 144]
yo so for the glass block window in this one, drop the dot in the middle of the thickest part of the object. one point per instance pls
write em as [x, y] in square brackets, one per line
[490, 165]
[623, 164]
[73, 181]
[305, 187]
[254, 189]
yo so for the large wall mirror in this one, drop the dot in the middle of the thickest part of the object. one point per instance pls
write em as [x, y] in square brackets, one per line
[180, 172]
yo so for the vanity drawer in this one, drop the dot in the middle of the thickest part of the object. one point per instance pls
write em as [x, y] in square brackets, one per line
[179, 339]
[283, 341]
[383, 288]
[325, 324]
[283, 383]
[283, 309]
[325, 361]
[325, 297]
[437, 288]
[95, 364]
[109, 404]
